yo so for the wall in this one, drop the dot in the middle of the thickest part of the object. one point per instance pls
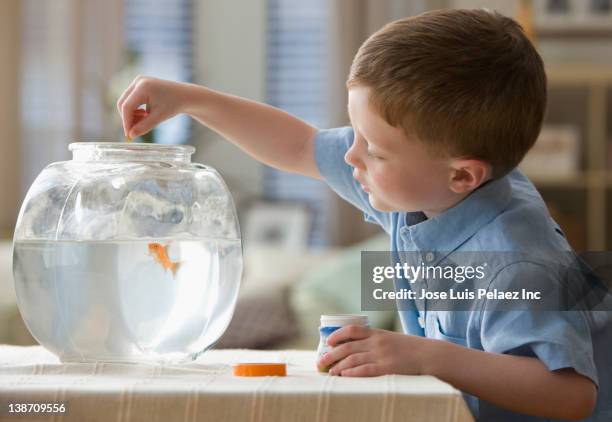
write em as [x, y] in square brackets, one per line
[230, 56]
[10, 196]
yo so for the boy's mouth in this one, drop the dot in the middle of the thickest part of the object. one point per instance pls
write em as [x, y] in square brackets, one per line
[363, 186]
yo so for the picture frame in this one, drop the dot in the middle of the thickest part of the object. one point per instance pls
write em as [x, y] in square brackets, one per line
[277, 225]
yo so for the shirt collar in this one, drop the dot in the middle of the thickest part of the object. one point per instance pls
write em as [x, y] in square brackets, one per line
[449, 230]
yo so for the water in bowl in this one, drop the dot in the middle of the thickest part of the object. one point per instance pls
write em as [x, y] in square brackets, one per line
[122, 301]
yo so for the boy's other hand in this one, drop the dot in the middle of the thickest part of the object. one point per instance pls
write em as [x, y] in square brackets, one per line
[359, 351]
[162, 98]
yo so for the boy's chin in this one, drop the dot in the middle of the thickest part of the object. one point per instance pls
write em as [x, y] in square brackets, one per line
[381, 206]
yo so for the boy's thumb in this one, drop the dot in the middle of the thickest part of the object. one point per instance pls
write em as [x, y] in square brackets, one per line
[145, 125]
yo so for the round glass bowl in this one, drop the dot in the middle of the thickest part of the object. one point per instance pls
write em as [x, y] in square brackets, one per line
[129, 253]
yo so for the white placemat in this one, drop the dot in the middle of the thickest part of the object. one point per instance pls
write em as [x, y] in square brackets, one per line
[206, 390]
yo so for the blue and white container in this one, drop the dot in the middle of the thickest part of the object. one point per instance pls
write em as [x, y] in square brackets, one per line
[331, 323]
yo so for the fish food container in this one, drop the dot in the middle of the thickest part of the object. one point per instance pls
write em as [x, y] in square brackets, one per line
[127, 253]
[331, 323]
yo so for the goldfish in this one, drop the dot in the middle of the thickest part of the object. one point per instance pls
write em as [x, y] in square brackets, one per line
[160, 254]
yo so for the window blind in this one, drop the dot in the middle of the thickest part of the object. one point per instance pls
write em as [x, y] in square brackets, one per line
[295, 82]
[69, 54]
[159, 33]
[47, 96]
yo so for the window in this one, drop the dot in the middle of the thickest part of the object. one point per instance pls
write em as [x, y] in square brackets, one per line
[158, 35]
[296, 83]
[71, 50]
[48, 97]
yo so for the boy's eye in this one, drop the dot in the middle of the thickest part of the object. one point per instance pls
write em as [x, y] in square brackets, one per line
[370, 153]
[373, 155]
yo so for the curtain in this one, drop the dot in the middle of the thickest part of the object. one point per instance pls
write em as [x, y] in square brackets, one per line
[70, 50]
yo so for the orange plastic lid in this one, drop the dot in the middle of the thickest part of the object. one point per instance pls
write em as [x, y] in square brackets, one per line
[260, 369]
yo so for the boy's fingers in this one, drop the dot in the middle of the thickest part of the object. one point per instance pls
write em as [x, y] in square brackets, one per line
[340, 352]
[351, 361]
[129, 107]
[123, 96]
[145, 124]
[367, 370]
[350, 332]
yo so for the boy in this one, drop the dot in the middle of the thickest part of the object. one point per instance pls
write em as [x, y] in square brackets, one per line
[443, 107]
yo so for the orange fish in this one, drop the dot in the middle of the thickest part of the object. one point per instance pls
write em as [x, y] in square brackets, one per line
[160, 253]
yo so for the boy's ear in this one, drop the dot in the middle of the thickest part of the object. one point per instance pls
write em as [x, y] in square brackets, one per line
[467, 175]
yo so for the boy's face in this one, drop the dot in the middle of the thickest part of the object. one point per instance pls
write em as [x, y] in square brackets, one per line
[396, 171]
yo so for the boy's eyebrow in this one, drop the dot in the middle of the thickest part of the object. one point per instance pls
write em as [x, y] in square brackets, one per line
[378, 147]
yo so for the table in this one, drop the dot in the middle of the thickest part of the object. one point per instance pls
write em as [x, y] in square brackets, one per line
[206, 390]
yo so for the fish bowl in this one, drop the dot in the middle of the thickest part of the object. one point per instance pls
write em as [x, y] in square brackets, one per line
[127, 253]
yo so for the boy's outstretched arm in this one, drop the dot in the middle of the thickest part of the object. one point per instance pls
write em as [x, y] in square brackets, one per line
[268, 134]
[519, 384]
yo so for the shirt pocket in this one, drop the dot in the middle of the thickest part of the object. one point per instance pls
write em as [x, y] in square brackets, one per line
[451, 326]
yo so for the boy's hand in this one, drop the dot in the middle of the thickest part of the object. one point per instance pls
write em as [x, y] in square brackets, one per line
[268, 134]
[360, 351]
[528, 387]
[164, 99]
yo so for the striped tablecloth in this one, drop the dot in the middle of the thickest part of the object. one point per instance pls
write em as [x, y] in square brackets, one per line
[206, 390]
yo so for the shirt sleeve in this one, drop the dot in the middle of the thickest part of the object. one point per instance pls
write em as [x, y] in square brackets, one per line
[560, 339]
[331, 146]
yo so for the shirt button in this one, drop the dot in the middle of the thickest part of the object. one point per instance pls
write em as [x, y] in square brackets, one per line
[429, 256]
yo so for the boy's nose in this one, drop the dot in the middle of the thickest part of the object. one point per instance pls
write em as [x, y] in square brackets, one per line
[351, 157]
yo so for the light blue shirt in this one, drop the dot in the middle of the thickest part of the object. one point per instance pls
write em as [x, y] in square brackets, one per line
[505, 214]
